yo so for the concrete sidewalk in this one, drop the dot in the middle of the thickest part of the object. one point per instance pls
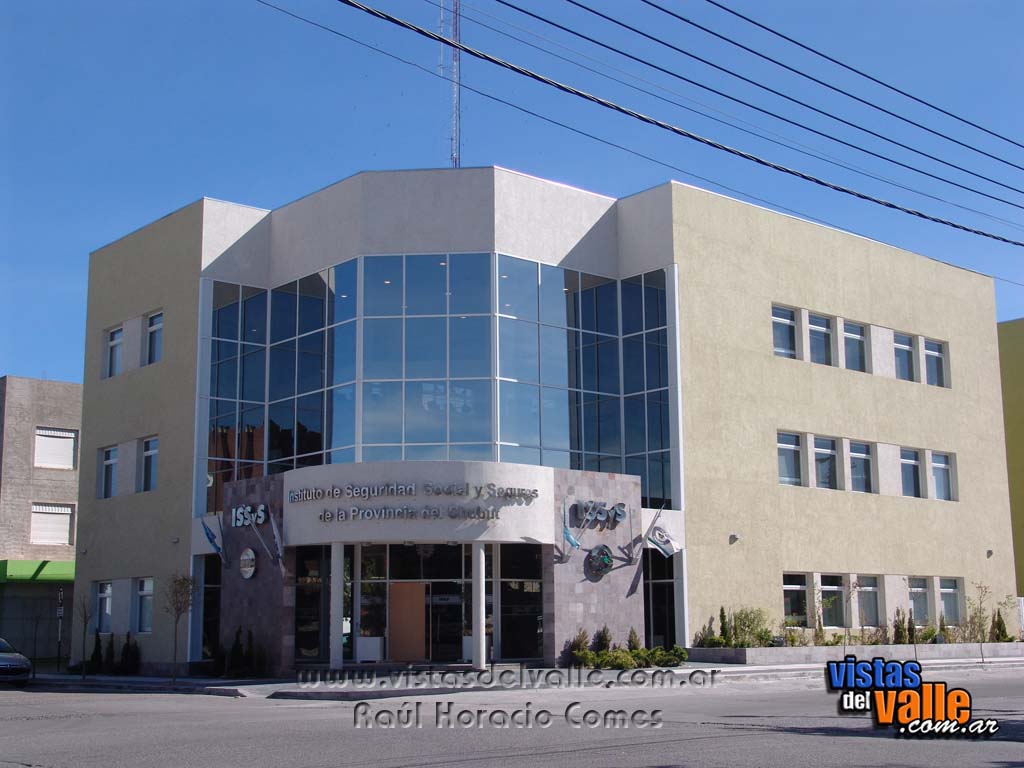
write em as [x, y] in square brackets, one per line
[362, 690]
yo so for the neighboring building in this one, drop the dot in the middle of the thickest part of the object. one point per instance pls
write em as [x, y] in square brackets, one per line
[39, 424]
[1011, 364]
[396, 405]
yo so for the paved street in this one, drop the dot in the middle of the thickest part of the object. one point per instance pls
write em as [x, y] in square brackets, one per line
[792, 723]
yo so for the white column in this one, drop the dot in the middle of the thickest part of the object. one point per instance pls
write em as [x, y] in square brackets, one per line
[479, 607]
[681, 597]
[337, 609]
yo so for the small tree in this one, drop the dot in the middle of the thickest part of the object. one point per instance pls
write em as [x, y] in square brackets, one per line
[84, 610]
[603, 639]
[633, 641]
[911, 628]
[108, 655]
[899, 628]
[942, 627]
[177, 601]
[724, 631]
[96, 660]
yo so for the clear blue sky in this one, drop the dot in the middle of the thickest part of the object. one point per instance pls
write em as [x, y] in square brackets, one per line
[113, 114]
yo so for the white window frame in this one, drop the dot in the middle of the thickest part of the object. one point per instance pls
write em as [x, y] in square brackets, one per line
[862, 337]
[954, 590]
[907, 348]
[50, 511]
[830, 333]
[870, 457]
[808, 604]
[149, 456]
[104, 595]
[832, 590]
[108, 459]
[792, 323]
[833, 452]
[55, 433]
[912, 590]
[797, 449]
[941, 356]
[870, 589]
[115, 342]
[947, 464]
[151, 329]
[921, 488]
[143, 592]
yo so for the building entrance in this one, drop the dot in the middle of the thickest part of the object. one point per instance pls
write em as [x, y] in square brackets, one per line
[425, 621]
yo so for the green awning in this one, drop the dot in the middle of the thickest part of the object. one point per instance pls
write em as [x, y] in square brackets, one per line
[37, 570]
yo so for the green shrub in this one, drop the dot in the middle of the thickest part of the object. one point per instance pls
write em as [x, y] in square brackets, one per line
[750, 628]
[899, 628]
[603, 639]
[927, 633]
[633, 641]
[715, 641]
[679, 653]
[997, 632]
[619, 658]
[642, 657]
[585, 658]
[724, 631]
[911, 628]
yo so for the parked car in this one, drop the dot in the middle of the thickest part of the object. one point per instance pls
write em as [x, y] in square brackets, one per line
[14, 668]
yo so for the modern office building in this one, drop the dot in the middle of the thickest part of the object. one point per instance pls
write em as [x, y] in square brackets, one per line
[453, 415]
[39, 424]
[1011, 366]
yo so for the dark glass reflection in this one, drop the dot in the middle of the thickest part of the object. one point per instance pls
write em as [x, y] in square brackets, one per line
[657, 359]
[281, 430]
[225, 311]
[657, 420]
[253, 373]
[469, 278]
[312, 302]
[250, 434]
[601, 431]
[559, 296]
[382, 285]
[254, 315]
[341, 417]
[310, 362]
[470, 346]
[309, 423]
[557, 357]
[283, 309]
[426, 285]
[632, 305]
[655, 306]
[518, 454]
[341, 294]
[599, 304]
[425, 347]
[224, 375]
[341, 354]
[633, 364]
[600, 363]
[282, 371]
[382, 349]
[635, 420]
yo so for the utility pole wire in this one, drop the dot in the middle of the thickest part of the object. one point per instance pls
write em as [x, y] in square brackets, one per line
[667, 126]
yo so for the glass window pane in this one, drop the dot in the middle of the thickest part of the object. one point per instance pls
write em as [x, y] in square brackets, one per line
[556, 356]
[519, 413]
[224, 378]
[470, 452]
[426, 281]
[868, 606]
[657, 359]
[254, 315]
[599, 304]
[789, 466]
[556, 459]
[632, 305]
[936, 374]
[517, 454]
[309, 423]
[469, 412]
[382, 285]
[943, 485]
[655, 299]
[312, 300]
[658, 433]
[911, 480]
[518, 349]
[559, 290]
[425, 347]
[225, 311]
[470, 346]
[659, 472]
[341, 294]
[282, 371]
[558, 421]
[821, 339]
[382, 453]
[283, 309]
[784, 339]
[633, 364]
[517, 287]
[426, 453]
[343, 456]
[281, 430]
[250, 433]
[341, 354]
[253, 373]
[425, 406]
[601, 426]
[310, 362]
[860, 473]
[382, 412]
[635, 419]
[341, 417]
[469, 279]
[382, 349]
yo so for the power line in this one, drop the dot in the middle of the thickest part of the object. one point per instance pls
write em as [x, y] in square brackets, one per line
[580, 132]
[792, 99]
[755, 107]
[828, 85]
[666, 126]
[873, 79]
[780, 141]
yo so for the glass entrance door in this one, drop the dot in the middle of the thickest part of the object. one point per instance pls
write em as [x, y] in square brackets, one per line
[445, 620]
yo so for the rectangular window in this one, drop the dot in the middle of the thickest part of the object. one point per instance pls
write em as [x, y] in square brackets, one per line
[825, 474]
[51, 524]
[789, 459]
[150, 452]
[903, 349]
[784, 332]
[155, 338]
[821, 339]
[867, 600]
[55, 448]
[104, 604]
[855, 346]
[860, 468]
[910, 469]
[832, 599]
[794, 596]
[934, 363]
[919, 600]
[114, 343]
[942, 474]
[949, 593]
[108, 479]
[144, 606]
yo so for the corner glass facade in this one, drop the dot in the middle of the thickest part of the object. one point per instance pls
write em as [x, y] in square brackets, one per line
[466, 356]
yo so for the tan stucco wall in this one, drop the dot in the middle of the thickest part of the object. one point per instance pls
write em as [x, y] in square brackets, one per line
[141, 534]
[1011, 363]
[735, 261]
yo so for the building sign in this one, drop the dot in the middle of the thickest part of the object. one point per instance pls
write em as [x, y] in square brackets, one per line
[245, 515]
[247, 563]
[597, 514]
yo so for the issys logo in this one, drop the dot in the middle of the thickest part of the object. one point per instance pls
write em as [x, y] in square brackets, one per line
[897, 697]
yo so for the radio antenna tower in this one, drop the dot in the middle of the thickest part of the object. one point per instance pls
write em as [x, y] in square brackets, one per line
[450, 69]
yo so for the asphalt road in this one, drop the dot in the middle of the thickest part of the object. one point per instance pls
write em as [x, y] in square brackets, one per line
[789, 723]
